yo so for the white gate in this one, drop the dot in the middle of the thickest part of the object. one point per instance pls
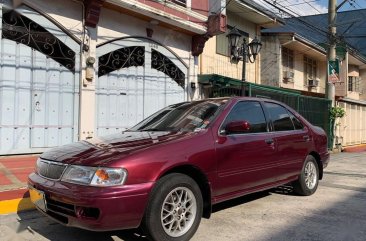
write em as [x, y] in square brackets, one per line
[137, 77]
[39, 83]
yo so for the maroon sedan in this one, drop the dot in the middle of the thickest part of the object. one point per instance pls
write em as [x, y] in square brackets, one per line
[165, 173]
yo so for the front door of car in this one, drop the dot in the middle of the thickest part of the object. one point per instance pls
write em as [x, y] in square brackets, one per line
[292, 140]
[244, 157]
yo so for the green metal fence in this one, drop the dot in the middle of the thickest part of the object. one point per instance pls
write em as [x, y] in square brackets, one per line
[314, 109]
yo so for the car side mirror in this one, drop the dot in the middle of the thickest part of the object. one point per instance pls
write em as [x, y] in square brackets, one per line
[237, 127]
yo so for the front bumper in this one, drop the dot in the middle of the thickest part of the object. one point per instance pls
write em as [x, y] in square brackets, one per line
[93, 208]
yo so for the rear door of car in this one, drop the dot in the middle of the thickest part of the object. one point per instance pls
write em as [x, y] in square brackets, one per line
[291, 137]
[245, 160]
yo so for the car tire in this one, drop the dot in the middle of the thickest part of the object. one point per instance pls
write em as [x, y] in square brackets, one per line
[174, 210]
[308, 180]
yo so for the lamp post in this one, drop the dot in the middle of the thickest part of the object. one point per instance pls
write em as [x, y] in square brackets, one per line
[245, 52]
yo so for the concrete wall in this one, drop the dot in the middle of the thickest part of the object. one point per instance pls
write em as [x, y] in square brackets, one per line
[271, 67]
[66, 13]
[363, 84]
[114, 25]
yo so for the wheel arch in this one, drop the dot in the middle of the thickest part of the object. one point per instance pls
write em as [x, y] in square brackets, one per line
[201, 179]
[319, 162]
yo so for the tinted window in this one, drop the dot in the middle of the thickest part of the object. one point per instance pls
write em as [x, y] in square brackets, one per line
[250, 111]
[297, 123]
[280, 118]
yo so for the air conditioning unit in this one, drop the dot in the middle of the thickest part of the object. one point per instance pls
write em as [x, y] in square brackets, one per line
[288, 76]
[313, 83]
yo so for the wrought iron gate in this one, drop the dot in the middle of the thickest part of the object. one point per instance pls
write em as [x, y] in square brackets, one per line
[137, 77]
[39, 78]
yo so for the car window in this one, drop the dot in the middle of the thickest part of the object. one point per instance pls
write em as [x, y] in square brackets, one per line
[250, 111]
[185, 117]
[297, 123]
[280, 117]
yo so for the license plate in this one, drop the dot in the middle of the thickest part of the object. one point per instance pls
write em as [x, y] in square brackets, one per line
[37, 197]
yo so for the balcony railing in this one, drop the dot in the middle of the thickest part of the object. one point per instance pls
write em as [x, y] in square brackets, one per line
[179, 2]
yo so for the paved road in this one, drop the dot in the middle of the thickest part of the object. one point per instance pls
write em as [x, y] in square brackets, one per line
[337, 211]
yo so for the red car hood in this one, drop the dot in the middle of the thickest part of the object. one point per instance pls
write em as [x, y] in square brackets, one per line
[100, 151]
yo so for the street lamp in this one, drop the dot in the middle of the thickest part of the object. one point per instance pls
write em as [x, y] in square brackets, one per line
[245, 52]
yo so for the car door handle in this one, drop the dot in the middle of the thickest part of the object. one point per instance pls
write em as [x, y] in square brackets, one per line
[269, 141]
[306, 138]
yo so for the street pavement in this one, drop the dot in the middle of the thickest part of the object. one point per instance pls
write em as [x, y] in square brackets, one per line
[335, 212]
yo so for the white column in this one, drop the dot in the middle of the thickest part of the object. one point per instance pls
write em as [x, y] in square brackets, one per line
[87, 88]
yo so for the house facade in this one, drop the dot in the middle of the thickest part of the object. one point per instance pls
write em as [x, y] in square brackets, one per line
[215, 63]
[294, 57]
[71, 70]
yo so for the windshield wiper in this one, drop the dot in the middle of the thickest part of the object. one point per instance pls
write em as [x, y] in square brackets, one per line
[150, 129]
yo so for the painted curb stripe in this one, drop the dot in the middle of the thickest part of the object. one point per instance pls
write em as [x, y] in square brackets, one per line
[15, 205]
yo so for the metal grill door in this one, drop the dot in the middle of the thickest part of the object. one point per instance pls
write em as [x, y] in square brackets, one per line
[38, 85]
[136, 78]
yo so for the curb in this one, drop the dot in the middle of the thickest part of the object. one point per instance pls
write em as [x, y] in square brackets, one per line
[355, 148]
[15, 201]
[15, 205]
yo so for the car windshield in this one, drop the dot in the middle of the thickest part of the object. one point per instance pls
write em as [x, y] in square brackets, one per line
[186, 116]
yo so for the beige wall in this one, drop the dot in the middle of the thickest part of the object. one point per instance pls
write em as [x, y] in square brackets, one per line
[213, 63]
[272, 70]
[352, 127]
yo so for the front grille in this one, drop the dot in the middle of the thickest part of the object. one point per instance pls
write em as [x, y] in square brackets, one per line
[60, 207]
[65, 210]
[51, 170]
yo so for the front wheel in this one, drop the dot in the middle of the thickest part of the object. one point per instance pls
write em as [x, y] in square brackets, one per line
[308, 180]
[174, 210]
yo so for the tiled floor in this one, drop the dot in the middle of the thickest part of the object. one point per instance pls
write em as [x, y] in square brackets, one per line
[14, 171]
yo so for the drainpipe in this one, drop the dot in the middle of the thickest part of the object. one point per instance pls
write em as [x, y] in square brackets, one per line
[81, 64]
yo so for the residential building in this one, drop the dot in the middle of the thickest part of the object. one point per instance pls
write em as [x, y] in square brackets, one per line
[216, 63]
[294, 57]
[74, 69]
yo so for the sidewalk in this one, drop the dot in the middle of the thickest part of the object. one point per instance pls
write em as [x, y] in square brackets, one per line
[14, 171]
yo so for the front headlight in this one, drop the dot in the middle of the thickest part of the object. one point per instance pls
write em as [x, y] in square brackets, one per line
[78, 174]
[94, 176]
[109, 177]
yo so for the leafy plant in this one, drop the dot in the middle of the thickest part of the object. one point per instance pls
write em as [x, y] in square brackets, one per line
[337, 112]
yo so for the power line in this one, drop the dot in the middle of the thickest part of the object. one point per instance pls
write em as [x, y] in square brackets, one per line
[293, 14]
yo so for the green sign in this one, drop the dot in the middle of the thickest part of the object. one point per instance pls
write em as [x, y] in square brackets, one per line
[333, 71]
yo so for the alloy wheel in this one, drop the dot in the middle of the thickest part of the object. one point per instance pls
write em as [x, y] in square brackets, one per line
[178, 211]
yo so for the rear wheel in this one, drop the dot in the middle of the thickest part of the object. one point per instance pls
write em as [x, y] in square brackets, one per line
[308, 180]
[174, 210]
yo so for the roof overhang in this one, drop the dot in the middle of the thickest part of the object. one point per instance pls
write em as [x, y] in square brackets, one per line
[145, 11]
[355, 59]
[296, 42]
[255, 13]
[360, 102]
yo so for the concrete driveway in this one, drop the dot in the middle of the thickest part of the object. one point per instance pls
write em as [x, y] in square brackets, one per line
[336, 211]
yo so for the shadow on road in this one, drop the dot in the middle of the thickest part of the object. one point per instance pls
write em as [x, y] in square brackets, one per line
[342, 220]
[239, 201]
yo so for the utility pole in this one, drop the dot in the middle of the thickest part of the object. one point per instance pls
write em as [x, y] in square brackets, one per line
[332, 13]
